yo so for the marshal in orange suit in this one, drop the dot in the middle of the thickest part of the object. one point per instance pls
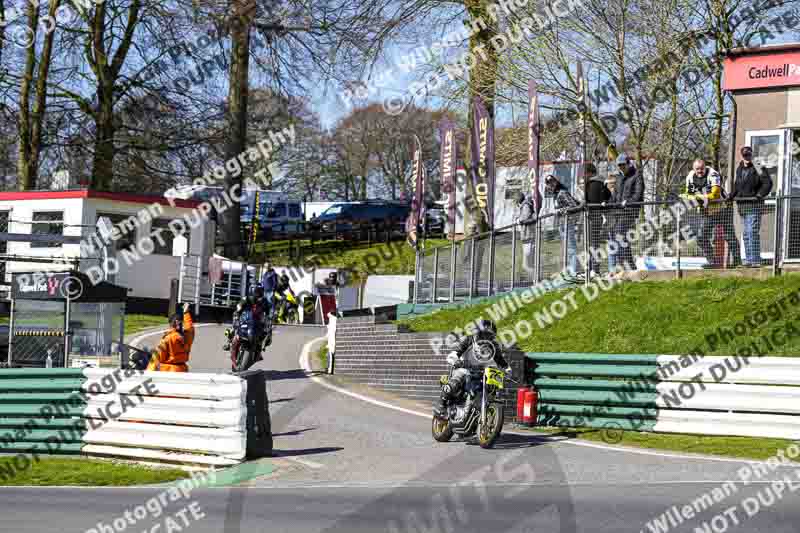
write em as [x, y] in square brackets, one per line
[173, 351]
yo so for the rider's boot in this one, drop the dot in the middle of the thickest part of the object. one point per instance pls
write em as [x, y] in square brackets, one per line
[440, 407]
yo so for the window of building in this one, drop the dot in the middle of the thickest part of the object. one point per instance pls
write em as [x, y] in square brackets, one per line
[125, 227]
[167, 237]
[47, 223]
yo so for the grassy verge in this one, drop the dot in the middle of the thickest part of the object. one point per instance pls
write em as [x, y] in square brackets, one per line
[363, 259]
[322, 356]
[671, 317]
[135, 322]
[738, 447]
[91, 472]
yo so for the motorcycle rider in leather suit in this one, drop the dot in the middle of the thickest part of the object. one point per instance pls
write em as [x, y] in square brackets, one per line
[452, 390]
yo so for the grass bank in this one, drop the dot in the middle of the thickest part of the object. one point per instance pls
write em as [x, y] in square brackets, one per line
[362, 259]
[658, 317]
[674, 317]
[90, 472]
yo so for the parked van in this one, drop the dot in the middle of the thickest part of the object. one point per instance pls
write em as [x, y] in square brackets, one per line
[277, 212]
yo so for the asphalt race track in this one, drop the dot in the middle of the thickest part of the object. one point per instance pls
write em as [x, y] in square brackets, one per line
[346, 465]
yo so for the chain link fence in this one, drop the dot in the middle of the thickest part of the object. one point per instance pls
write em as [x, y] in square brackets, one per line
[606, 239]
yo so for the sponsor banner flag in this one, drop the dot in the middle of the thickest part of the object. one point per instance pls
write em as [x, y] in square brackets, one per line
[447, 161]
[482, 160]
[533, 145]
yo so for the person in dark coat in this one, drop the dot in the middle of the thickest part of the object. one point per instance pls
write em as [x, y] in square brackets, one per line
[630, 189]
[597, 194]
[751, 186]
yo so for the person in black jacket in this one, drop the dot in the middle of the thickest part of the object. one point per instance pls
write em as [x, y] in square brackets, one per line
[487, 336]
[752, 185]
[630, 189]
[596, 193]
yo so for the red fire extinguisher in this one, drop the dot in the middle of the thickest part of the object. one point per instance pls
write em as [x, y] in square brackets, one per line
[526, 405]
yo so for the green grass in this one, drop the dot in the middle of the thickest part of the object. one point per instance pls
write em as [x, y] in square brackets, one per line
[660, 317]
[363, 259]
[137, 322]
[739, 447]
[91, 472]
[666, 317]
[133, 322]
[322, 356]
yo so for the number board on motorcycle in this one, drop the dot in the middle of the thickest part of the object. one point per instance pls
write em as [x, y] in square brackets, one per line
[495, 377]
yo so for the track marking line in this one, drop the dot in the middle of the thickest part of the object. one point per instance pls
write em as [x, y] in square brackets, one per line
[304, 364]
[304, 462]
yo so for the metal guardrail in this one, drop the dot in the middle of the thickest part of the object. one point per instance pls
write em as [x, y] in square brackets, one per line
[662, 393]
[605, 238]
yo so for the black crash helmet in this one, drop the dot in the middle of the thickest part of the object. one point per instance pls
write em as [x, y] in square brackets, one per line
[487, 325]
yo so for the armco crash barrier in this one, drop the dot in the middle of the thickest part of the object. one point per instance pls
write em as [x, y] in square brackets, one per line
[38, 409]
[733, 395]
[206, 419]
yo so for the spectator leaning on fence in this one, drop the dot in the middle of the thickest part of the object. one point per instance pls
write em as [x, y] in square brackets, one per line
[630, 189]
[597, 193]
[567, 222]
[705, 185]
[752, 181]
[527, 227]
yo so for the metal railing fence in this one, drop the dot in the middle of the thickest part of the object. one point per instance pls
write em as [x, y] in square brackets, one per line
[685, 234]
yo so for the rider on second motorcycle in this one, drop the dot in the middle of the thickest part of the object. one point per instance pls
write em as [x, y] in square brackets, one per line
[451, 391]
[281, 301]
[261, 316]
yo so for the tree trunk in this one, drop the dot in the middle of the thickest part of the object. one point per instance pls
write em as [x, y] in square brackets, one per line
[237, 131]
[482, 77]
[30, 121]
[103, 162]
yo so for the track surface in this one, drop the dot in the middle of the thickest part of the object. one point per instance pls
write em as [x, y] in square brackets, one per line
[345, 465]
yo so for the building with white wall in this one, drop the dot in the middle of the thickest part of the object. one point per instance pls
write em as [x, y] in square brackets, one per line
[139, 220]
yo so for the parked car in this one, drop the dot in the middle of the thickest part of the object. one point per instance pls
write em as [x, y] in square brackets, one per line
[435, 220]
[355, 221]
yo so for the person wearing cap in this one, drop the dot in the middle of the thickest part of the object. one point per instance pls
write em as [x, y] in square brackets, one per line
[630, 189]
[596, 193]
[567, 226]
[752, 185]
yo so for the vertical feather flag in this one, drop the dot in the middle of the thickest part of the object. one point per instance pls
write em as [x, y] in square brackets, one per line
[447, 164]
[482, 160]
[533, 145]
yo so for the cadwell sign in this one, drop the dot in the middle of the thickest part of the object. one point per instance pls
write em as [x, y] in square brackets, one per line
[779, 69]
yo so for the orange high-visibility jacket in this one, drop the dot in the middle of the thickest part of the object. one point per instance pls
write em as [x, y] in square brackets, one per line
[173, 351]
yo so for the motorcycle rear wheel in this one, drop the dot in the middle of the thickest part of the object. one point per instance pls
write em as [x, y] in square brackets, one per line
[441, 429]
[291, 317]
[488, 433]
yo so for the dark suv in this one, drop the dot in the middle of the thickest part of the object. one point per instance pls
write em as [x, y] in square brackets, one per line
[355, 221]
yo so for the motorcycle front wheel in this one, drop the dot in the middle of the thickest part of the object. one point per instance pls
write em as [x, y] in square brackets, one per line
[245, 359]
[488, 432]
[441, 430]
[291, 317]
